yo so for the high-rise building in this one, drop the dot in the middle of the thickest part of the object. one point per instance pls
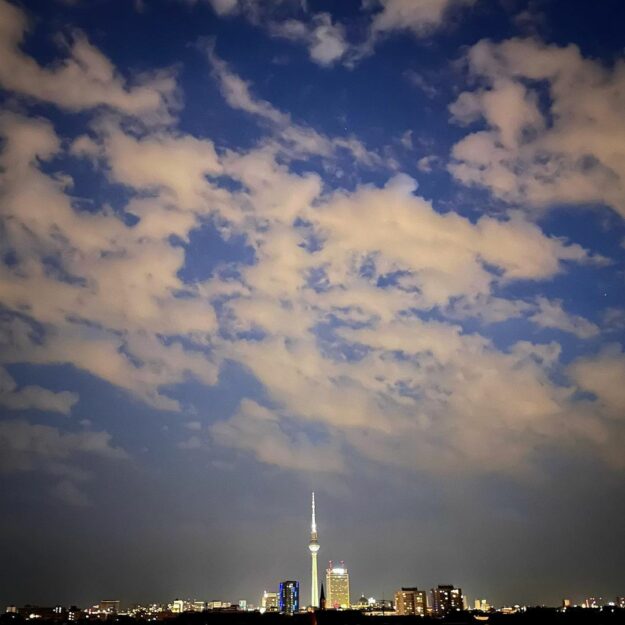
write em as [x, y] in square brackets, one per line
[411, 602]
[446, 599]
[313, 546]
[337, 585]
[484, 606]
[289, 597]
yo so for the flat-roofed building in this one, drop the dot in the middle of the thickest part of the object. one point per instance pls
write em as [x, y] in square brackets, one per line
[411, 602]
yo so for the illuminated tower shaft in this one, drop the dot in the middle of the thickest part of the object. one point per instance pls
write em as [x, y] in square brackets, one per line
[314, 548]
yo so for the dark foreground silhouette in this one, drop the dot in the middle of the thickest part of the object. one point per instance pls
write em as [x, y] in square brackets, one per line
[533, 616]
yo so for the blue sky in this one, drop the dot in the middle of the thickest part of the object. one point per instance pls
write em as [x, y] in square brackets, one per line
[253, 248]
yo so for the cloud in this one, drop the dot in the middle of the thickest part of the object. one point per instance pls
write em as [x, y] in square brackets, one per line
[565, 149]
[550, 314]
[421, 17]
[438, 255]
[26, 447]
[116, 338]
[85, 79]
[224, 7]
[33, 397]
[602, 375]
[255, 428]
[385, 383]
[67, 492]
[348, 313]
[298, 138]
[419, 81]
[193, 442]
[325, 39]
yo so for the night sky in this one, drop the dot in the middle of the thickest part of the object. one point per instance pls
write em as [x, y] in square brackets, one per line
[255, 248]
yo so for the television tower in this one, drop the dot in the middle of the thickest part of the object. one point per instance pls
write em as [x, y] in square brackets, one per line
[314, 547]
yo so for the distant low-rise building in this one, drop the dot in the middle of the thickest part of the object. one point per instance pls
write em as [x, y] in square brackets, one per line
[109, 606]
[269, 602]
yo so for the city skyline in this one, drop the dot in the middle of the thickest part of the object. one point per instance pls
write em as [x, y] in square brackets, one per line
[256, 249]
[438, 601]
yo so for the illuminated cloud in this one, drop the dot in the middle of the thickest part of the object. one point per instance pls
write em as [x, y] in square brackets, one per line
[325, 40]
[420, 17]
[85, 79]
[565, 150]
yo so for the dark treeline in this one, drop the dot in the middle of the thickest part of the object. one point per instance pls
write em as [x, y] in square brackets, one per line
[534, 616]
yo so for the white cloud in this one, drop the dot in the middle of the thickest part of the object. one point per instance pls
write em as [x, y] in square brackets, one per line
[550, 314]
[85, 79]
[297, 138]
[117, 337]
[419, 16]
[325, 39]
[569, 150]
[334, 294]
[444, 255]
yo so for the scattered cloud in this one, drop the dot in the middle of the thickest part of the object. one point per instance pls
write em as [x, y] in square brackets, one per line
[550, 314]
[419, 81]
[255, 428]
[421, 18]
[26, 447]
[325, 39]
[297, 138]
[85, 79]
[565, 149]
[351, 312]
[33, 397]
